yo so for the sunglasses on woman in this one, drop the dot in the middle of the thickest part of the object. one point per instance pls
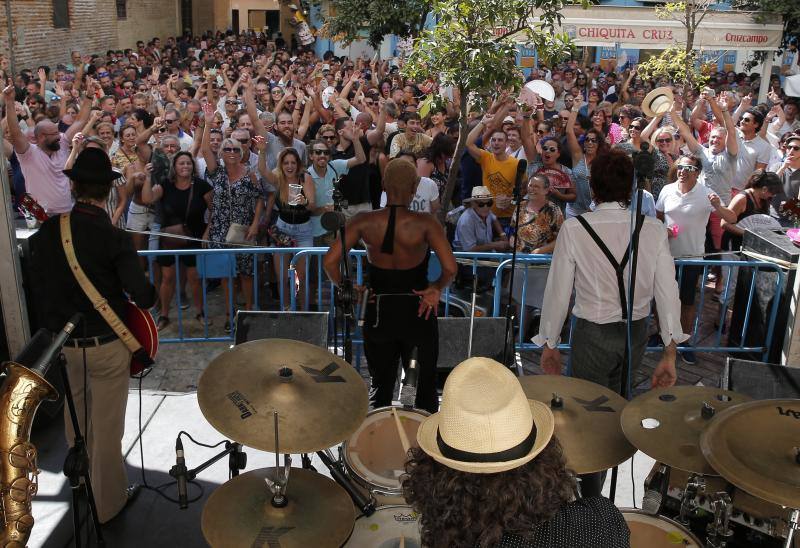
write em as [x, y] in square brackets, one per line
[687, 168]
[667, 140]
[231, 150]
[590, 140]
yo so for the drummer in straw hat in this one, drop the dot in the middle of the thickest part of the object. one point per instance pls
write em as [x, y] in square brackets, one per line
[489, 472]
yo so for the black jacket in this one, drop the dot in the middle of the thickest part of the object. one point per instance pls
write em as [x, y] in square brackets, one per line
[107, 256]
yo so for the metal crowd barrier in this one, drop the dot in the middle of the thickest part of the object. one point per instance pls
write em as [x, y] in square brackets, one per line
[317, 292]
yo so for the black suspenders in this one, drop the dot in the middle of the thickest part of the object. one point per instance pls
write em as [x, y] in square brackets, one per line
[619, 268]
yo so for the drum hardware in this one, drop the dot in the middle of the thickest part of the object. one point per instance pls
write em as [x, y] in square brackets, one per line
[794, 524]
[240, 389]
[689, 498]
[277, 484]
[393, 525]
[719, 531]
[365, 504]
[239, 513]
[237, 460]
[667, 423]
[587, 420]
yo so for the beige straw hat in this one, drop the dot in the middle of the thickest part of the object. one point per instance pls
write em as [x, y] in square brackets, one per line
[486, 424]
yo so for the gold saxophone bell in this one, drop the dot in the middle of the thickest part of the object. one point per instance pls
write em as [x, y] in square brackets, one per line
[20, 397]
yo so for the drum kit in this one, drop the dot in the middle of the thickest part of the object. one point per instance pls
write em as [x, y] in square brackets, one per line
[727, 471]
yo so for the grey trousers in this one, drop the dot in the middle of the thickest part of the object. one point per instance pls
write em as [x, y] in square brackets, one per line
[599, 353]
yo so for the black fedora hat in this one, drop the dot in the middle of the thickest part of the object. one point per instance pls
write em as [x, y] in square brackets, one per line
[92, 166]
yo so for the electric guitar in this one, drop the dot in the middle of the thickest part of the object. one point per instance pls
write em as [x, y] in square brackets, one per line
[143, 327]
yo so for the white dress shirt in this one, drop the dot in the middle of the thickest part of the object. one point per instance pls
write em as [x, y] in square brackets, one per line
[577, 260]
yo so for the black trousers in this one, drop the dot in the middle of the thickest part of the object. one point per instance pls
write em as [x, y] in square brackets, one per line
[397, 332]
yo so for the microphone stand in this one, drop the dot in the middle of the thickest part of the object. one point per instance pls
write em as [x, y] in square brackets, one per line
[344, 298]
[508, 336]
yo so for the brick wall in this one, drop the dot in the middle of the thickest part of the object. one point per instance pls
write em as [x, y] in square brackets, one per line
[148, 19]
[93, 28]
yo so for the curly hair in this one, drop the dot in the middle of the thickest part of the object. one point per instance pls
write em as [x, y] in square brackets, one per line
[463, 509]
[611, 179]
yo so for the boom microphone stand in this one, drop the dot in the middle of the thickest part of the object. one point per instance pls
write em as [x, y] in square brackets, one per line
[508, 336]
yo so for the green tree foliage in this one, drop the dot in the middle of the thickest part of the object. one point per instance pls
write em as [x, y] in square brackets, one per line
[789, 10]
[472, 49]
[679, 62]
[675, 64]
[350, 20]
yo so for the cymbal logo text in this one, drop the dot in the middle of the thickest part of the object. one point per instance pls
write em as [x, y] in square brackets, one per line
[242, 403]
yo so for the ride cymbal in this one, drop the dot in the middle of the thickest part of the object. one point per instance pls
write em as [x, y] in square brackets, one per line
[587, 421]
[320, 399]
[755, 446]
[240, 512]
[666, 423]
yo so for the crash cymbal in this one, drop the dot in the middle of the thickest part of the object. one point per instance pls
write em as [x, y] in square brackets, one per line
[320, 399]
[666, 423]
[755, 447]
[240, 512]
[587, 423]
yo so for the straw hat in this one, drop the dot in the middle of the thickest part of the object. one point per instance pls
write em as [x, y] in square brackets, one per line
[479, 193]
[658, 101]
[486, 424]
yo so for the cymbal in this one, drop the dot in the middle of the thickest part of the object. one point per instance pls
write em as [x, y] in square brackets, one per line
[240, 512]
[755, 446]
[674, 436]
[587, 426]
[320, 399]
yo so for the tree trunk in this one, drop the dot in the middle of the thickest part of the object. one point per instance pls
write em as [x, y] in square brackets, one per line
[461, 145]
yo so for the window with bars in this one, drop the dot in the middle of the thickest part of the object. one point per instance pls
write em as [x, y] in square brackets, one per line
[61, 14]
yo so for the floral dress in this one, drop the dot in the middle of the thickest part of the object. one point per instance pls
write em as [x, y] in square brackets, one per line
[233, 203]
[538, 228]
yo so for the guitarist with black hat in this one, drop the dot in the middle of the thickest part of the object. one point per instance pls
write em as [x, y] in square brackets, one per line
[97, 358]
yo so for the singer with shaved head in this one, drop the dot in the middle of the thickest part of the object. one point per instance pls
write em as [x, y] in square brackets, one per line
[401, 313]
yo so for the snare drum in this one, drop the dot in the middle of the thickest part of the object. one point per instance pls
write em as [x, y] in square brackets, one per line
[649, 531]
[385, 528]
[374, 456]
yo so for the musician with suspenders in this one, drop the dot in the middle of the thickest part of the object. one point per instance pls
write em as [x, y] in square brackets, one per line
[591, 256]
[97, 358]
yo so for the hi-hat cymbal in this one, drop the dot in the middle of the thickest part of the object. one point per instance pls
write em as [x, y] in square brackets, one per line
[240, 512]
[587, 424]
[755, 447]
[666, 423]
[320, 399]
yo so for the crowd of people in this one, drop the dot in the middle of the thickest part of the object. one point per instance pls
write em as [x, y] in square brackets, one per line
[237, 139]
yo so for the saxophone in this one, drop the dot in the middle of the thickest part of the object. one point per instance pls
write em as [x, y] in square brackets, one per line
[21, 394]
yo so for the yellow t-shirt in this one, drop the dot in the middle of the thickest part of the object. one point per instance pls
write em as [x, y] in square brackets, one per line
[498, 177]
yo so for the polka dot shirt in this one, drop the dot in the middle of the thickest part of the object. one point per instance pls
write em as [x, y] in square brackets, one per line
[592, 522]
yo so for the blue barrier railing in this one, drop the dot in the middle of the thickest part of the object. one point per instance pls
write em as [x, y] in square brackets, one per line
[302, 267]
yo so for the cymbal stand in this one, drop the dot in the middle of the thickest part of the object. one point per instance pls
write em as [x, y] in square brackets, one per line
[688, 504]
[794, 524]
[719, 531]
[278, 483]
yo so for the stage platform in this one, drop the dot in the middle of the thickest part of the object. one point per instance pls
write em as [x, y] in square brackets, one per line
[153, 521]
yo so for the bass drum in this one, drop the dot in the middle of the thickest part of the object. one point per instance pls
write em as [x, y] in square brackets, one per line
[388, 527]
[649, 531]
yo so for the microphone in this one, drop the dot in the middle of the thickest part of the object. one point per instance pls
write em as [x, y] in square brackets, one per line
[332, 221]
[41, 365]
[180, 474]
[363, 310]
[522, 168]
[651, 501]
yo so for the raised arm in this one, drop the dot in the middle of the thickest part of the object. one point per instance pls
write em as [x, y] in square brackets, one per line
[651, 127]
[83, 117]
[724, 115]
[252, 111]
[572, 141]
[261, 146]
[205, 148]
[17, 138]
[360, 157]
[374, 136]
[684, 130]
[472, 148]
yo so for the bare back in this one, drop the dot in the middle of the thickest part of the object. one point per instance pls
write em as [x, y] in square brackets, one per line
[412, 237]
